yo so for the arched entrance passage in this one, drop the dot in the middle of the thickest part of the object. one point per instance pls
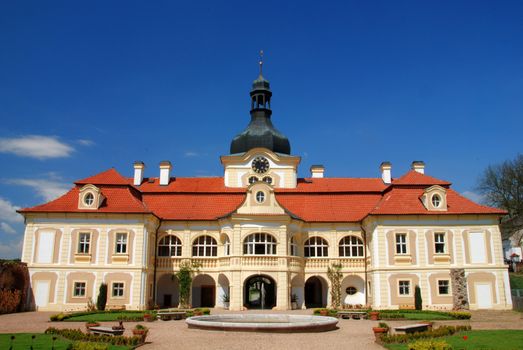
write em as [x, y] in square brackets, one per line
[168, 291]
[353, 291]
[203, 291]
[315, 292]
[260, 292]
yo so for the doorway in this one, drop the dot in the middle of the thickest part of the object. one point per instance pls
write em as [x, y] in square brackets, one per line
[314, 293]
[260, 293]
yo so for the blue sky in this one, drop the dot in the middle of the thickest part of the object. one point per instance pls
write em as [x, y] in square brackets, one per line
[85, 86]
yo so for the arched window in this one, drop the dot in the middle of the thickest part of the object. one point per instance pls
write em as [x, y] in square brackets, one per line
[259, 244]
[316, 246]
[204, 246]
[294, 247]
[351, 246]
[170, 246]
[227, 246]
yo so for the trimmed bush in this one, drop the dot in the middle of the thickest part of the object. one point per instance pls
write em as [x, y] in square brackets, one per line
[89, 346]
[101, 301]
[430, 345]
[9, 300]
[418, 302]
[78, 335]
[442, 331]
[460, 315]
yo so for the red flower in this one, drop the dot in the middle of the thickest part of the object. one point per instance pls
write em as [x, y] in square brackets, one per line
[465, 337]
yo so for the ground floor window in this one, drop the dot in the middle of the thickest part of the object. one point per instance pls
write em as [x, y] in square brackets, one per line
[118, 288]
[79, 289]
[443, 287]
[404, 287]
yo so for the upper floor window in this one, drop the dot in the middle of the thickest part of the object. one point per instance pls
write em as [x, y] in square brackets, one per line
[205, 246]
[316, 247]
[227, 246]
[294, 247]
[439, 243]
[259, 244]
[121, 243]
[79, 289]
[170, 246]
[84, 242]
[351, 246]
[118, 290]
[401, 243]
[404, 288]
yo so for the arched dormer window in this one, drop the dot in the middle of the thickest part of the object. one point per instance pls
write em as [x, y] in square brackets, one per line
[259, 244]
[204, 246]
[170, 246]
[316, 247]
[90, 197]
[351, 246]
[435, 198]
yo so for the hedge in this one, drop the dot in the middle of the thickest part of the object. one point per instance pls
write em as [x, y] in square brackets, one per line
[78, 335]
[442, 331]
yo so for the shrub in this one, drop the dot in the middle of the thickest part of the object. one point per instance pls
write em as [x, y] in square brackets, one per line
[101, 301]
[330, 312]
[391, 315]
[430, 345]
[442, 331]
[460, 315]
[418, 302]
[89, 346]
[383, 325]
[130, 318]
[9, 300]
[78, 335]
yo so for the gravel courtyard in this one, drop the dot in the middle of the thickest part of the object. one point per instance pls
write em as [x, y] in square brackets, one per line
[355, 334]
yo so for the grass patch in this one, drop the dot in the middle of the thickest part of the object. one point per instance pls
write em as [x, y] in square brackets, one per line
[416, 315]
[42, 342]
[516, 280]
[104, 317]
[494, 339]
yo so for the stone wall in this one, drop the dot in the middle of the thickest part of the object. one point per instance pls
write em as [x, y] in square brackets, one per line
[459, 289]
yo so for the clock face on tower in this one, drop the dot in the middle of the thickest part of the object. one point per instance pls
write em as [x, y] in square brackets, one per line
[260, 165]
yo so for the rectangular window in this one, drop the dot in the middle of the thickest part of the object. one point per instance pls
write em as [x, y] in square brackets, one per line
[79, 289]
[401, 243]
[443, 287]
[84, 242]
[118, 290]
[439, 243]
[404, 287]
[121, 243]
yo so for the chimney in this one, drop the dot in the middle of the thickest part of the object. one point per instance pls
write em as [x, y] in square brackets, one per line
[317, 171]
[138, 172]
[386, 175]
[165, 172]
[418, 166]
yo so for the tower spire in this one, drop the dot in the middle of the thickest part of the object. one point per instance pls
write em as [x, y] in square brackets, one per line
[261, 63]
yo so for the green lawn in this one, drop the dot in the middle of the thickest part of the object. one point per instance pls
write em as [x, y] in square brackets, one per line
[42, 341]
[424, 316]
[516, 280]
[103, 317]
[496, 339]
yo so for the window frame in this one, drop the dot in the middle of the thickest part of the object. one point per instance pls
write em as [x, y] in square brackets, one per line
[449, 290]
[177, 246]
[123, 244]
[227, 246]
[343, 247]
[444, 243]
[212, 246]
[400, 245]
[409, 286]
[316, 247]
[293, 247]
[439, 200]
[260, 197]
[92, 199]
[84, 244]
[269, 246]
[122, 290]
[75, 289]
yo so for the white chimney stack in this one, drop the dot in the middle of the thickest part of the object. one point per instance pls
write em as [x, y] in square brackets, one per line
[165, 172]
[138, 172]
[317, 171]
[418, 166]
[386, 172]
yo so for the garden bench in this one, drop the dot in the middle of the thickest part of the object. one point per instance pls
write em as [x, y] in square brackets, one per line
[106, 331]
[171, 315]
[412, 328]
[357, 315]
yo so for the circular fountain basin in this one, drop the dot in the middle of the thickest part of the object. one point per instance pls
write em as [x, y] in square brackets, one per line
[263, 323]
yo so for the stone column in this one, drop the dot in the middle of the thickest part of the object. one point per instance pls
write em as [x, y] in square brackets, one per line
[459, 289]
[283, 291]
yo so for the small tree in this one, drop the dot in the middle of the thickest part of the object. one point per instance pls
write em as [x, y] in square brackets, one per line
[418, 302]
[185, 276]
[101, 301]
[334, 274]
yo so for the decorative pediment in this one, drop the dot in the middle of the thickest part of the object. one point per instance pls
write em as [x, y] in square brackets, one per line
[90, 197]
[435, 198]
[260, 199]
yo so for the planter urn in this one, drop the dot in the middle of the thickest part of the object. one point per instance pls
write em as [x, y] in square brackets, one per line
[374, 315]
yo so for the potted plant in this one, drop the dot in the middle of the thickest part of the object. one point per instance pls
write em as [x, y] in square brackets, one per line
[148, 317]
[140, 331]
[197, 312]
[294, 301]
[226, 300]
[381, 330]
[324, 312]
[374, 315]
[90, 324]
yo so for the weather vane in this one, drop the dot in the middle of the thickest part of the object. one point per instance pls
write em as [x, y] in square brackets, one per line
[261, 61]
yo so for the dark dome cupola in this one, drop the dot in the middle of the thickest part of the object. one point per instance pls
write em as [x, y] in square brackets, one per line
[260, 132]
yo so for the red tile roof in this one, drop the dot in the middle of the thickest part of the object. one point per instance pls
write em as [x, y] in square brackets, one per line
[313, 200]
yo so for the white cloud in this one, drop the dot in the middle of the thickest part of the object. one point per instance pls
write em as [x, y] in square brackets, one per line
[8, 212]
[6, 228]
[11, 250]
[36, 146]
[47, 189]
[473, 196]
[85, 142]
[191, 154]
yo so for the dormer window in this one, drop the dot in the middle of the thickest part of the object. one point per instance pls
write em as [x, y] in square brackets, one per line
[253, 179]
[435, 198]
[267, 180]
[90, 197]
[260, 196]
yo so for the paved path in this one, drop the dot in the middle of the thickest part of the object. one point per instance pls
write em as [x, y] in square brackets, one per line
[354, 334]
